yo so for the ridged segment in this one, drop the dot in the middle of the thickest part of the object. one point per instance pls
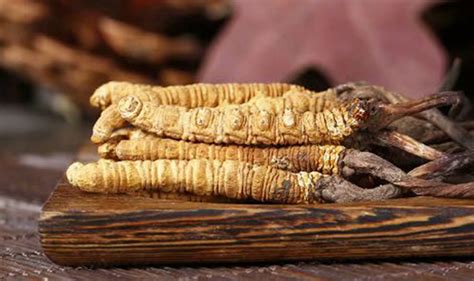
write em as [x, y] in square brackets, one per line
[231, 179]
[194, 95]
[246, 124]
[108, 96]
[320, 158]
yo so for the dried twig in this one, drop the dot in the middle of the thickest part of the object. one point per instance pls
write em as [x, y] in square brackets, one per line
[443, 166]
[434, 116]
[408, 144]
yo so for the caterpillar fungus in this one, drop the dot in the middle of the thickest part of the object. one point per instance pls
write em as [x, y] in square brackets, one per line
[270, 121]
[326, 159]
[189, 96]
[320, 158]
[264, 121]
[230, 179]
[265, 142]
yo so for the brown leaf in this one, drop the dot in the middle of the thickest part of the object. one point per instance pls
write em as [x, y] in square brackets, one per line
[381, 42]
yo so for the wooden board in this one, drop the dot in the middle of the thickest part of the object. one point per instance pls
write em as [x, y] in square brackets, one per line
[78, 228]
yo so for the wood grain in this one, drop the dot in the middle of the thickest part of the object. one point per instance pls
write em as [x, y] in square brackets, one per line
[77, 228]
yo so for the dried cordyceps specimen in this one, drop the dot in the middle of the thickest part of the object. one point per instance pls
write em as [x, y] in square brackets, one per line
[190, 96]
[324, 158]
[271, 121]
[231, 179]
[263, 142]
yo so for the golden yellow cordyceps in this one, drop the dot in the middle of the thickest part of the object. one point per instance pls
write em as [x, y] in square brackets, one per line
[108, 95]
[261, 142]
[231, 179]
[266, 121]
[319, 158]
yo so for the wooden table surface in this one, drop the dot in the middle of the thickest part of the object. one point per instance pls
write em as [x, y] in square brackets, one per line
[33, 158]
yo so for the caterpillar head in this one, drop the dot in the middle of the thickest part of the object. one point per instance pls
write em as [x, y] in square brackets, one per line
[130, 107]
[106, 93]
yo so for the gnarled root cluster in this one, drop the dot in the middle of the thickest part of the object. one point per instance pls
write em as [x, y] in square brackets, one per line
[275, 142]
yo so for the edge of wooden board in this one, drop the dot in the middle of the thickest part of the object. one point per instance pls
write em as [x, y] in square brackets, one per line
[77, 228]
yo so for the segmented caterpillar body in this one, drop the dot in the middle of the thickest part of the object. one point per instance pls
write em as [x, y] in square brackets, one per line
[191, 96]
[268, 121]
[323, 159]
[230, 179]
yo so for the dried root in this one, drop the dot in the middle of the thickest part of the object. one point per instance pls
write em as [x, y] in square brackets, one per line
[443, 166]
[454, 130]
[408, 144]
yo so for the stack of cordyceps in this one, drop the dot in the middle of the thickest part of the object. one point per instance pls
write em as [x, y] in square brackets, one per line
[75, 46]
[274, 142]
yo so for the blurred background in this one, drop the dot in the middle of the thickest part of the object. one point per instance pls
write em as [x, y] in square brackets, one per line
[54, 53]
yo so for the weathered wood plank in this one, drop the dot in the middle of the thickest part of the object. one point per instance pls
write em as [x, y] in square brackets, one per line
[78, 228]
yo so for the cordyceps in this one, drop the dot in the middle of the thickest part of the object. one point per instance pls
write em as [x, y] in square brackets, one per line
[272, 142]
[191, 96]
[326, 159]
[271, 121]
[231, 179]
